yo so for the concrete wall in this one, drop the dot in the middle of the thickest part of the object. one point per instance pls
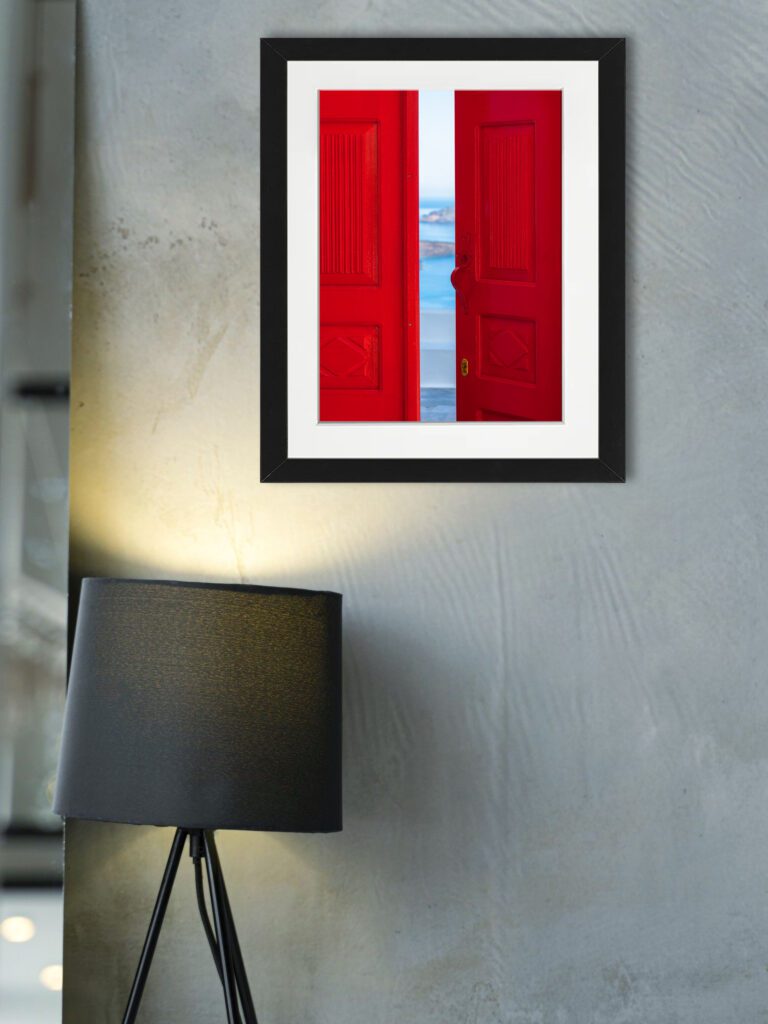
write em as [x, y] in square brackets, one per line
[556, 710]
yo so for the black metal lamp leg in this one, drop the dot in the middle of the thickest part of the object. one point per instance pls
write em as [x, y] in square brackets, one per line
[237, 957]
[224, 945]
[223, 931]
[198, 855]
[155, 924]
[241, 978]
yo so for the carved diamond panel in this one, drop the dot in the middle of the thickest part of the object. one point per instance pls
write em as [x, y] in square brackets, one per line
[508, 349]
[350, 356]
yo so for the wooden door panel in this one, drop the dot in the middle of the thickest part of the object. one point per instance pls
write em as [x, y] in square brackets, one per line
[349, 216]
[507, 215]
[507, 349]
[369, 357]
[509, 255]
[350, 356]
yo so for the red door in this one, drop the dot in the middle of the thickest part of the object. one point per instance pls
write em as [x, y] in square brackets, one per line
[508, 256]
[369, 256]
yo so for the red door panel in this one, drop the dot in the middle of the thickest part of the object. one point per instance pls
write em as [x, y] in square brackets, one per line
[508, 256]
[369, 256]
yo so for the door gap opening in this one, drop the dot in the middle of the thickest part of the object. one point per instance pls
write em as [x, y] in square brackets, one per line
[437, 216]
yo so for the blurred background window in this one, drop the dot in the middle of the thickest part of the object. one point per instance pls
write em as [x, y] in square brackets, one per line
[37, 55]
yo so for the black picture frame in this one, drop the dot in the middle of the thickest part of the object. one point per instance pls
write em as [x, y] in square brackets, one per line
[609, 465]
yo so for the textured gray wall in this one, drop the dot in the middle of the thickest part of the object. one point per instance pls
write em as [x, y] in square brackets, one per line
[556, 710]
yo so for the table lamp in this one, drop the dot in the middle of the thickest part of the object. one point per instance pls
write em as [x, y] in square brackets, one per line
[203, 706]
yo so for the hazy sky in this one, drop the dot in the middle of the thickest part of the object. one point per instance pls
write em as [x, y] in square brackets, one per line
[436, 157]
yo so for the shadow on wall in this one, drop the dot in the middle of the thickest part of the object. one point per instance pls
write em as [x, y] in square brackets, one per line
[474, 732]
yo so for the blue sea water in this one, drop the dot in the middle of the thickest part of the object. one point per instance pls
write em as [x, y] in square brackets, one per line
[435, 274]
[429, 203]
[436, 232]
[436, 291]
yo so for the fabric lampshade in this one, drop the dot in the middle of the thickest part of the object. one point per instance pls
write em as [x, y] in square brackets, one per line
[204, 705]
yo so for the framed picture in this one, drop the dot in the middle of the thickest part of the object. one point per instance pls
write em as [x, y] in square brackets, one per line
[442, 259]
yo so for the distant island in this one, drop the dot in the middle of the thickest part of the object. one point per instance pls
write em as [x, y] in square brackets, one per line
[428, 250]
[445, 216]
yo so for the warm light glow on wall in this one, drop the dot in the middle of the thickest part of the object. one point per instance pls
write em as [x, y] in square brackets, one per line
[164, 454]
[185, 501]
[17, 929]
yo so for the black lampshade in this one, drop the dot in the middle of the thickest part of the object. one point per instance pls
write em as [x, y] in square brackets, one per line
[204, 706]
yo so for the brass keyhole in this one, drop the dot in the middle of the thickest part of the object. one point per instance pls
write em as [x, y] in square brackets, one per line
[464, 367]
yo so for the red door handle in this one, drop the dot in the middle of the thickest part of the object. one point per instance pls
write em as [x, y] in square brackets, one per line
[459, 276]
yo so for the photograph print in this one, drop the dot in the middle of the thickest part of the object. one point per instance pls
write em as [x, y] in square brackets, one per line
[442, 311]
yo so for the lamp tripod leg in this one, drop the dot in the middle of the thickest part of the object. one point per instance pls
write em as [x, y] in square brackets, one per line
[155, 924]
[224, 944]
[223, 929]
[238, 966]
